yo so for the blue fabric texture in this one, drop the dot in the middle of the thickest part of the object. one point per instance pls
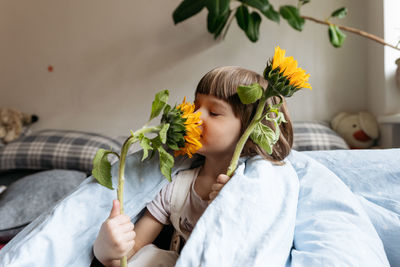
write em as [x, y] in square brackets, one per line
[374, 178]
[255, 220]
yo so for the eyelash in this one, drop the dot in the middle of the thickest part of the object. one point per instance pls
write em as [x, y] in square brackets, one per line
[213, 114]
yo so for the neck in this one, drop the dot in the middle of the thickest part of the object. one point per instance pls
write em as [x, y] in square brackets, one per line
[214, 166]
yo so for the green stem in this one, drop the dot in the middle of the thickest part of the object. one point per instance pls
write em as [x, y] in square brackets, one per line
[243, 139]
[121, 171]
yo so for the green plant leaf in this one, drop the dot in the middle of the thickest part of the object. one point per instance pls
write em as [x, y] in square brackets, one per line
[166, 162]
[187, 9]
[218, 11]
[221, 22]
[102, 168]
[159, 103]
[263, 136]
[292, 15]
[336, 36]
[340, 13]
[253, 27]
[145, 144]
[250, 94]
[242, 17]
[272, 14]
[303, 2]
[163, 133]
[261, 5]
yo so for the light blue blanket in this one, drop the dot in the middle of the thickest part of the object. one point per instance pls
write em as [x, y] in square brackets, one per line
[254, 221]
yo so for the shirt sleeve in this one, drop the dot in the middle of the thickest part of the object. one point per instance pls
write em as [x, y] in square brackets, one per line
[160, 207]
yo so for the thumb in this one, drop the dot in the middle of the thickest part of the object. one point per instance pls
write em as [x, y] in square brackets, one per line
[115, 211]
[223, 179]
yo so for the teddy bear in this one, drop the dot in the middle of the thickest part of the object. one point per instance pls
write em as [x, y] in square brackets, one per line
[12, 122]
[359, 130]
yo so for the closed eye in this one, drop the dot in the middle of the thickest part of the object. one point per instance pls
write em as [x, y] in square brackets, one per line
[214, 114]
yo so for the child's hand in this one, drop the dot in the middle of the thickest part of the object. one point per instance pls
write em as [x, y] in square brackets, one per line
[222, 179]
[116, 237]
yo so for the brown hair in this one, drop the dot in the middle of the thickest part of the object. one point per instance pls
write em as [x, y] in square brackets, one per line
[222, 83]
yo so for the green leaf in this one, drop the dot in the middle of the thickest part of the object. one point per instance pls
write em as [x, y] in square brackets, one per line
[263, 136]
[187, 9]
[303, 2]
[250, 94]
[292, 15]
[156, 142]
[159, 103]
[242, 17]
[221, 22]
[102, 168]
[340, 13]
[253, 27]
[218, 10]
[261, 5]
[163, 133]
[145, 144]
[166, 162]
[272, 14]
[336, 36]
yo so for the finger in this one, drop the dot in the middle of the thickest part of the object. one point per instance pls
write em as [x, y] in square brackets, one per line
[115, 211]
[216, 187]
[128, 237]
[122, 219]
[124, 228]
[223, 179]
[213, 194]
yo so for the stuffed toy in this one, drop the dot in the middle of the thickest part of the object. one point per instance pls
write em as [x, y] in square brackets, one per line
[12, 122]
[359, 130]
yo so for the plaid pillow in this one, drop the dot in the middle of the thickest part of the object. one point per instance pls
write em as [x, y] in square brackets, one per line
[55, 149]
[316, 136]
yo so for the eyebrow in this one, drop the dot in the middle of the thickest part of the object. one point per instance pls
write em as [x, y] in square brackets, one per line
[220, 103]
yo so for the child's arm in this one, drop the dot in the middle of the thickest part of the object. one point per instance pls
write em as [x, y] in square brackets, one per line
[147, 230]
[222, 179]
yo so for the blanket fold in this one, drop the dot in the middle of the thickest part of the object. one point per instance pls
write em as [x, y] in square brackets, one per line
[298, 214]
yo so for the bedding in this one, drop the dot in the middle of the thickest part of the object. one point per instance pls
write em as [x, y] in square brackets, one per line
[54, 149]
[27, 198]
[328, 222]
[312, 135]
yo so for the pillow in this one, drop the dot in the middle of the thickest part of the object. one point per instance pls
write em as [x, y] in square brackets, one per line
[316, 136]
[54, 149]
[27, 198]
[332, 226]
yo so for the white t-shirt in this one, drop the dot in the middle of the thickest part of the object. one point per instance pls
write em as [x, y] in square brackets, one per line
[193, 208]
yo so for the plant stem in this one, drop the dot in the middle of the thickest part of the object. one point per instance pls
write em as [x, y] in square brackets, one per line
[121, 171]
[356, 31]
[245, 136]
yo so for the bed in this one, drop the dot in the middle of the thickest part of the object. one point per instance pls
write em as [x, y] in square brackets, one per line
[371, 175]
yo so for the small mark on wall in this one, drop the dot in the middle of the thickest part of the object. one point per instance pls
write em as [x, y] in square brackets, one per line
[50, 68]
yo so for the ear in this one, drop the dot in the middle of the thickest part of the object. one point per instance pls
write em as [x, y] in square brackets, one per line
[337, 119]
[368, 124]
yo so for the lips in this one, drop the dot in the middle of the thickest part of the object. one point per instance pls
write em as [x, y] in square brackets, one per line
[361, 136]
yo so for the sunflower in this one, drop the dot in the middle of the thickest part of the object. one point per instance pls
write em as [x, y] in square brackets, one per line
[288, 66]
[192, 130]
[283, 74]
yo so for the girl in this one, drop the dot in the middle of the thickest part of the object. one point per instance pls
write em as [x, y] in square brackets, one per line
[183, 201]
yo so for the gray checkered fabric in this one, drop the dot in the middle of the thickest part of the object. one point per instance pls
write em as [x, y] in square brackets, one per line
[55, 149]
[316, 136]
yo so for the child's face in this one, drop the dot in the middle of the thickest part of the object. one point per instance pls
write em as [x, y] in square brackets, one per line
[221, 128]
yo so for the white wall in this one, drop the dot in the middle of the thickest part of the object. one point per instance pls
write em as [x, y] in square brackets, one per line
[111, 57]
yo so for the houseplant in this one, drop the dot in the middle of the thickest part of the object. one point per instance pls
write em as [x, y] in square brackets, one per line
[249, 14]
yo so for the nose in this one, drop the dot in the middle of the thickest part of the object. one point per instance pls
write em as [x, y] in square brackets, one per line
[199, 110]
[202, 117]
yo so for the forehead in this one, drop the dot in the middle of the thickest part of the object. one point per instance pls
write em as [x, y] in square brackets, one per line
[210, 99]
